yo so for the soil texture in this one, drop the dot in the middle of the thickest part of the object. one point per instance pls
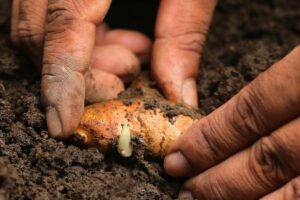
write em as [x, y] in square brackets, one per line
[246, 38]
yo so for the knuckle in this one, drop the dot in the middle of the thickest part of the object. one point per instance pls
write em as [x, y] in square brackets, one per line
[267, 164]
[246, 115]
[69, 61]
[28, 35]
[29, 30]
[69, 10]
[209, 132]
[188, 41]
[191, 42]
[59, 13]
[55, 72]
[56, 78]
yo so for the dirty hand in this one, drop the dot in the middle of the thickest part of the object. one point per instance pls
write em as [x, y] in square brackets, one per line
[249, 147]
[81, 59]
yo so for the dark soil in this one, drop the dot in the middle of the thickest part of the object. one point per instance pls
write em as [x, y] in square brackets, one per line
[245, 39]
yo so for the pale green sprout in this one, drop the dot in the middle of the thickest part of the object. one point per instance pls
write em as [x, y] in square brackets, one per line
[124, 142]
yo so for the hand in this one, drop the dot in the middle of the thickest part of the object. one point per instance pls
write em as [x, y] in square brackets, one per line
[249, 147]
[81, 59]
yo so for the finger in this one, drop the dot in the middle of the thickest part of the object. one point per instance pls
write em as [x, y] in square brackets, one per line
[181, 29]
[101, 85]
[117, 60]
[268, 102]
[28, 27]
[267, 165]
[68, 48]
[290, 191]
[136, 42]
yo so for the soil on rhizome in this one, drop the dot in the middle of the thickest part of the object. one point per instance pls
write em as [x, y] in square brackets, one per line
[246, 37]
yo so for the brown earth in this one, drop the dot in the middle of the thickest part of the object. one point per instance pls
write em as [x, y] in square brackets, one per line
[245, 39]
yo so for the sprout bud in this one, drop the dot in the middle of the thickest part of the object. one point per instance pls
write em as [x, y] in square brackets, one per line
[124, 142]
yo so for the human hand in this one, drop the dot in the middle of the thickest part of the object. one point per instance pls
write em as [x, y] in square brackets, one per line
[82, 59]
[249, 147]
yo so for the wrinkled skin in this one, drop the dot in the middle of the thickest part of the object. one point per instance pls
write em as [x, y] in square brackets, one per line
[246, 149]
[249, 147]
[82, 59]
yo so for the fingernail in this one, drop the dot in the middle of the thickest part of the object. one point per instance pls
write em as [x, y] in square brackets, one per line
[185, 195]
[189, 92]
[176, 165]
[53, 122]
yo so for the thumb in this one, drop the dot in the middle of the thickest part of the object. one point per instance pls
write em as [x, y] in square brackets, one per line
[69, 41]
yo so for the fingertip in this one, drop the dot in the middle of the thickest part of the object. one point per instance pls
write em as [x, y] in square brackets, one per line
[101, 86]
[63, 98]
[134, 41]
[174, 71]
[179, 91]
[58, 128]
[117, 60]
[176, 165]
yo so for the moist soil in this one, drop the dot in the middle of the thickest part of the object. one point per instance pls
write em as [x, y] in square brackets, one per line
[246, 38]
